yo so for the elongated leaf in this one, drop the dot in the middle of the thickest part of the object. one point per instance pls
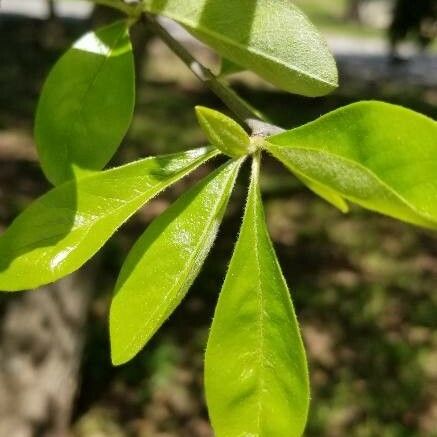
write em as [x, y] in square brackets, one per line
[223, 132]
[255, 370]
[64, 228]
[380, 156]
[325, 193]
[270, 37]
[165, 261]
[86, 104]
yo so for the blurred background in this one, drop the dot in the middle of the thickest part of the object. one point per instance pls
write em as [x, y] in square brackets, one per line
[363, 285]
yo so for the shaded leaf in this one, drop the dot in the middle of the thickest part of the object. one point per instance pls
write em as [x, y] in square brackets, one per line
[272, 38]
[64, 228]
[255, 369]
[380, 156]
[228, 67]
[165, 261]
[86, 104]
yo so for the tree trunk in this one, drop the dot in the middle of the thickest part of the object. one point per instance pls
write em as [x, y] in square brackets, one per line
[42, 332]
[41, 339]
[54, 29]
[353, 10]
[52, 10]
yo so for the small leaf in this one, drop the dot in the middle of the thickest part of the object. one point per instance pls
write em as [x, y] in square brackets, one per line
[272, 38]
[165, 261]
[64, 228]
[256, 372]
[223, 132]
[380, 156]
[86, 104]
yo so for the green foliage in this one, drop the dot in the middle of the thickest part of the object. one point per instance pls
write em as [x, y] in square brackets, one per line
[165, 261]
[380, 156]
[324, 192]
[223, 132]
[255, 369]
[64, 228]
[86, 104]
[228, 67]
[272, 38]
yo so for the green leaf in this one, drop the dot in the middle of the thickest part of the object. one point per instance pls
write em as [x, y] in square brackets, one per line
[380, 156]
[223, 132]
[228, 67]
[256, 372]
[86, 104]
[165, 261]
[325, 193]
[64, 228]
[272, 38]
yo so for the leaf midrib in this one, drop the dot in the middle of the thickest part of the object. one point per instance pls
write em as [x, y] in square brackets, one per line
[86, 227]
[261, 316]
[405, 202]
[192, 25]
[184, 274]
[79, 110]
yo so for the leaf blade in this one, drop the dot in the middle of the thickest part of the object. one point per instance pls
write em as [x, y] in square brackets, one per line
[380, 156]
[228, 68]
[179, 241]
[224, 132]
[64, 228]
[255, 370]
[273, 39]
[94, 81]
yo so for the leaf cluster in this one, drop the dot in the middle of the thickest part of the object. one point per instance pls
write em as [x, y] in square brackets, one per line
[379, 156]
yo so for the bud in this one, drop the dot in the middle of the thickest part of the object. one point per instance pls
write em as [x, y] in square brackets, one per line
[224, 133]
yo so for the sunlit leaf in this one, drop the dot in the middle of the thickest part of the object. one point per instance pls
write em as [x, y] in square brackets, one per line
[272, 38]
[64, 228]
[325, 193]
[255, 369]
[380, 156]
[164, 262]
[86, 104]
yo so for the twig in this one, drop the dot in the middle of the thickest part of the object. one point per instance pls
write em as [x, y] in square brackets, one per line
[241, 109]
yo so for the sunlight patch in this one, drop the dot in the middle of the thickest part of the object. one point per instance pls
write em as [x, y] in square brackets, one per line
[92, 44]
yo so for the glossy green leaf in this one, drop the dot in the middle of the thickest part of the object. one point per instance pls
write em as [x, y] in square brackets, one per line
[223, 132]
[255, 372]
[270, 37]
[64, 228]
[380, 156]
[165, 261]
[86, 104]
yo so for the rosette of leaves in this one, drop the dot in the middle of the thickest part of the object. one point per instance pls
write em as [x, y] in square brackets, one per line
[379, 156]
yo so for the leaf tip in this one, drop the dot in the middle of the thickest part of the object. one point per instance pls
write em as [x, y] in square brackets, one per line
[117, 360]
[119, 353]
